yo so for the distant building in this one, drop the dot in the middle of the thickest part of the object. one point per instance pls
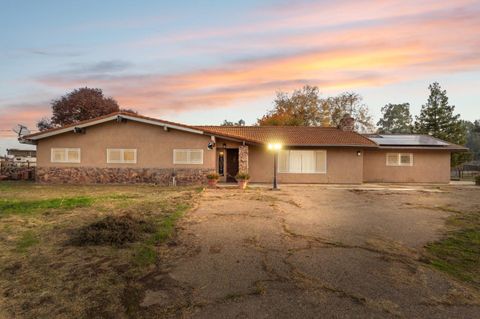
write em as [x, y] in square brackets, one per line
[22, 157]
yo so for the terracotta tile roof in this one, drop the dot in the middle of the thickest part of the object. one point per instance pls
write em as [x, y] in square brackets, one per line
[291, 135]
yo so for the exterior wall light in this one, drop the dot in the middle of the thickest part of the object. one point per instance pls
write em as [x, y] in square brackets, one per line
[275, 147]
[359, 153]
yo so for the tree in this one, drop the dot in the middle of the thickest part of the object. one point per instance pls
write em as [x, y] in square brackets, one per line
[437, 119]
[305, 108]
[351, 103]
[396, 119]
[78, 105]
[473, 138]
[299, 109]
[228, 123]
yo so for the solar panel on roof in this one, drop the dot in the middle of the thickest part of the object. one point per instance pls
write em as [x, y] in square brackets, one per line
[416, 140]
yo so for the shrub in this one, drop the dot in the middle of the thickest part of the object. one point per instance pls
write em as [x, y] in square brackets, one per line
[112, 230]
[477, 180]
[213, 175]
[242, 176]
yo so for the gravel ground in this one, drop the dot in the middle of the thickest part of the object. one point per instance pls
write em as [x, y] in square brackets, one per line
[313, 251]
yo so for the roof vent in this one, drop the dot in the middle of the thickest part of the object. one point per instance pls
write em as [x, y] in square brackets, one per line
[79, 130]
[121, 119]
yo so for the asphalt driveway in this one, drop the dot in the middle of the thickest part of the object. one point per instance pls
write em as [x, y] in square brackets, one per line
[312, 252]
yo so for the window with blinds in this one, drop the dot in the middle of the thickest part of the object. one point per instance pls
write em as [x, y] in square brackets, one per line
[65, 155]
[302, 161]
[399, 159]
[187, 156]
[121, 156]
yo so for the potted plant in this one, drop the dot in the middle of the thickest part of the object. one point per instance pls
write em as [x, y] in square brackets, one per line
[242, 179]
[212, 179]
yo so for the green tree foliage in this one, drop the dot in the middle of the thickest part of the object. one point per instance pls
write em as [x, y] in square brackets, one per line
[473, 138]
[79, 105]
[304, 107]
[229, 123]
[437, 119]
[396, 119]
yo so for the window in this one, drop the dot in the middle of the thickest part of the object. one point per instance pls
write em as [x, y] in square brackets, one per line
[399, 159]
[65, 155]
[292, 161]
[122, 156]
[187, 156]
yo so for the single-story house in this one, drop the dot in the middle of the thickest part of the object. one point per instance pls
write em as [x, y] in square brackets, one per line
[129, 148]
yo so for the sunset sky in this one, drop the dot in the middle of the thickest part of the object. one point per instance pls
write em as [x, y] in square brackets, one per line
[214, 60]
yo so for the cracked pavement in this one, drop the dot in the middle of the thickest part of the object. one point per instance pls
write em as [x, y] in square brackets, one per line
[310, 252]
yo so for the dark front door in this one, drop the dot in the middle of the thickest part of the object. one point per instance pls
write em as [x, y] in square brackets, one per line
[232, 164]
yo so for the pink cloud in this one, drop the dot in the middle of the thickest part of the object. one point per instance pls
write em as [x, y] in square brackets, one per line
[336, 45]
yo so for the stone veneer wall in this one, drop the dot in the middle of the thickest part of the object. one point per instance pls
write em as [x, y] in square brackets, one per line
[93, 175]
[243, 159]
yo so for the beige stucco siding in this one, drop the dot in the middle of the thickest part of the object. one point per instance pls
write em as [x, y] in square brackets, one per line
[154, 146]
[428, 167]
[343, 166]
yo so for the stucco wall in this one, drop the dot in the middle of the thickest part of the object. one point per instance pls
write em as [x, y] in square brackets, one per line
[343, 166]
[154, 146]
[428, 167]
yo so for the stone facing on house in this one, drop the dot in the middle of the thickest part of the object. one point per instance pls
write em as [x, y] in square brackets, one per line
[243, 159]
[94, 175]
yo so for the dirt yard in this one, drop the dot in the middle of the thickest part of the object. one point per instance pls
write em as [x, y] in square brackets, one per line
[301, 252]
[317, 251]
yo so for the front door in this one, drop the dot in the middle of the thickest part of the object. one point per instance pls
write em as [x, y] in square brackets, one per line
[232, 164]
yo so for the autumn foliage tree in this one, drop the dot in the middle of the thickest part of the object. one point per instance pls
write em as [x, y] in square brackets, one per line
[79, 105]
[305, 107]
[301, 108]
[351, 103]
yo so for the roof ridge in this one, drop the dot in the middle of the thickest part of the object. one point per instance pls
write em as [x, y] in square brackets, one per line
[266, 126]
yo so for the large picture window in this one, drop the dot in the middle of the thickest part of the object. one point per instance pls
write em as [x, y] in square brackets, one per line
[399, 159]
[121, 155]
[187, 156]
[65, 155]
[300, 161]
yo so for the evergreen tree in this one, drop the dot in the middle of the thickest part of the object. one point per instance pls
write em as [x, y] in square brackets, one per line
[473, 138]
[437, 119]
[396, 119]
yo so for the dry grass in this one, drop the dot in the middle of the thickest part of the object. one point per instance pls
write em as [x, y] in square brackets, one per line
[43, 276]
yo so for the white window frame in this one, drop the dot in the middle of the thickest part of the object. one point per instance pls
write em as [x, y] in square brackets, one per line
[188, 161]
[399, 157]
[65, 150]
[122, 160]
[323, 171]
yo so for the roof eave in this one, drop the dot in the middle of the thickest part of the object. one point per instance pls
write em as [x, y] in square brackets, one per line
[433, 148]
[332, 145]
[38, 136]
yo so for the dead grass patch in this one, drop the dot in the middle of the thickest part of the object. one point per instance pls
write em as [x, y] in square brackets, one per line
[117, 231]
[113, 230]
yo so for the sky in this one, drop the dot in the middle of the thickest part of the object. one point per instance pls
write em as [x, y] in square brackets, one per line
[207, 61]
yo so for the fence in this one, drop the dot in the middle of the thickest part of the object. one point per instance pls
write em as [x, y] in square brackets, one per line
[459, 174]
[14, 171]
